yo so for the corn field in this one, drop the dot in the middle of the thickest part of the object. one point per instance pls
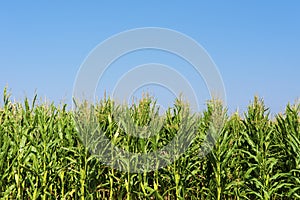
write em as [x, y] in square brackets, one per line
[254, 156]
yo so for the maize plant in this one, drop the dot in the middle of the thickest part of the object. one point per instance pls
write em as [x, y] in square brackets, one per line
[48, 151]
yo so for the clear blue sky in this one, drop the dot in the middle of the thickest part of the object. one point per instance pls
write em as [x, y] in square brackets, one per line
[255, 44]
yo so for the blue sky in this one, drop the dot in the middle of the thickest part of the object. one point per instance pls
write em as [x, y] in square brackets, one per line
[255, 44]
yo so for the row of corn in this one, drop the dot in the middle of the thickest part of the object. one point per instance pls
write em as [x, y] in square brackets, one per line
[48, 151]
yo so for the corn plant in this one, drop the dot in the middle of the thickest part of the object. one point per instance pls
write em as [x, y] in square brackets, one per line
[48, 151]
[288, 129]
[262, 178]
